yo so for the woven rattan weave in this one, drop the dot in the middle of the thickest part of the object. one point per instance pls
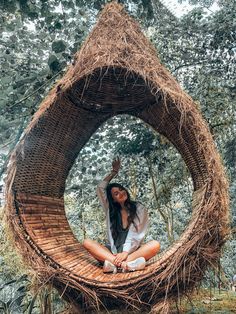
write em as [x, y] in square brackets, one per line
[116, 71]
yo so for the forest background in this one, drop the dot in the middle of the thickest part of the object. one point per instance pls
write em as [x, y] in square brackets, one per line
[37, 42]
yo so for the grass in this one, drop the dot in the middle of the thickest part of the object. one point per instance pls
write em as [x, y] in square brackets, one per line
[210, 302]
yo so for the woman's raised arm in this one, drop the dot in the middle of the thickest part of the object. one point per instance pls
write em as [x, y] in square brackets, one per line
[101, 188]
[115, 169]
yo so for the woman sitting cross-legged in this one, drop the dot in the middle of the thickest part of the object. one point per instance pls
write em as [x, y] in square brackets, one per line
[127, 223]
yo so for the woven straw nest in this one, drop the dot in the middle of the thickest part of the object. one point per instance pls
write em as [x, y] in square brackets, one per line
[116, 71]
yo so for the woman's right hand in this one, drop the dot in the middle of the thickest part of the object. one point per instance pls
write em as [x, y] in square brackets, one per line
[116, 164]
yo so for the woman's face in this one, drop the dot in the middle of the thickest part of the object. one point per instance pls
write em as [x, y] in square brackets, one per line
[119, 195]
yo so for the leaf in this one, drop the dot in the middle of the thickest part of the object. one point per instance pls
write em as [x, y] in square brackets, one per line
[18, 300]
[58, 25]
[31, 306]
[4, 304]
[9, 6]
[21, 288]
[58, 46]
[7, 284]
[54, 63]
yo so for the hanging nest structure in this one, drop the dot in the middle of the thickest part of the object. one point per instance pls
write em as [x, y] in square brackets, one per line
[116, 71]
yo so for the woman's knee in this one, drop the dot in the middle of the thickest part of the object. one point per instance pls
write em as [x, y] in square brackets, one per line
[87, 243]
[155, 246]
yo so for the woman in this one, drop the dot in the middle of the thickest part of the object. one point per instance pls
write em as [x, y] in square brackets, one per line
[127, 223]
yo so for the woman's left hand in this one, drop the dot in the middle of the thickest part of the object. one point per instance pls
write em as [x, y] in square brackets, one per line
[120, 257]
[116, 163]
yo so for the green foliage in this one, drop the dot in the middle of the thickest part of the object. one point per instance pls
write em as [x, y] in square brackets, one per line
[208, 301]
[58, 46]
[13, 295]
[139, 148]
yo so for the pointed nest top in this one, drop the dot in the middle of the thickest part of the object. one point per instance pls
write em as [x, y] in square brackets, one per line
[116, 49]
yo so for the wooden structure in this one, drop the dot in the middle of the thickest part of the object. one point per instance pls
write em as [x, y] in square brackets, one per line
[116, 71]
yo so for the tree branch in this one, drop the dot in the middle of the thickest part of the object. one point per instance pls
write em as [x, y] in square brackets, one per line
[35, 91]
[188, 65]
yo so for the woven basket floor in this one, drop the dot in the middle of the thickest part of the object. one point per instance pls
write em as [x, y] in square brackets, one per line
[44, 220]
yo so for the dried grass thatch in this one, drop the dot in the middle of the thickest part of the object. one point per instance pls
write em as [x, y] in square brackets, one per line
[116, 71]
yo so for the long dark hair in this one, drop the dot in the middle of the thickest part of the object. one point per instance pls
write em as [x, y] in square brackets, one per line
[114, 209]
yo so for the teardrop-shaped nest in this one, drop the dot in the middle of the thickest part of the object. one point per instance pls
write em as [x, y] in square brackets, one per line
[116, 71]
